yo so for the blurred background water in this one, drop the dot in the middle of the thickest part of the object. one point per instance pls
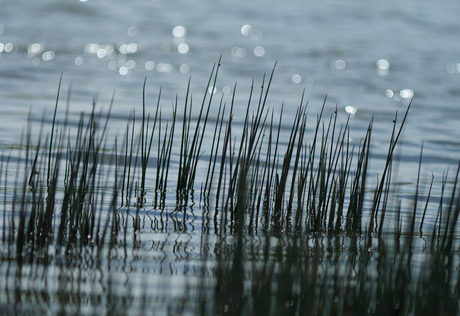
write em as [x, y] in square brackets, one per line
[369, 57]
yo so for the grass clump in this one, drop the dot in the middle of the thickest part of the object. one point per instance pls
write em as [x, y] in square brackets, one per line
[290, 220]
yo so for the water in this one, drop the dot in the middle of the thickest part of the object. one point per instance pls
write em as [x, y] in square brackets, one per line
[370, 58]
[329, 48]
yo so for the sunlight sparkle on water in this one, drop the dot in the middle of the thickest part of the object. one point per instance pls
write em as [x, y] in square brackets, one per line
[246, 30]
[183, 48]
[130, 64]
[101, 53]
[259, 51]
[450, 68]
[9, 47]
[351, 110]
[164, 67]
[226, 90]
[238, 52]
[179, 31]
[34, 49]
[112, 65]
[123, 71]
[133, 31]
[184, 68]
[383, 67]
[406, 93]
[338, 64]
[149, 65]
[47, 56]
[296, 78]
[212, 90]
[383, 64]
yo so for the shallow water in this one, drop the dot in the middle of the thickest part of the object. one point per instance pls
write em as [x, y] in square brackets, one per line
[369, 58]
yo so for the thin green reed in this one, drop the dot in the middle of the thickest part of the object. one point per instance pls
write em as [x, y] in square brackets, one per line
[300, 143]
[214, 149]
[198, 151]
[52, 128]
[127, 162]
[278, 213]
[191, 144]
[393, 142]
[164, 157]
[145, 144]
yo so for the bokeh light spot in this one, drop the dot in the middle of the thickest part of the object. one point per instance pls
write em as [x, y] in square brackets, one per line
[259, 51]
[47, 56]
[79, 61]
[149, 65]
[179, 31]
[227, 90]
[309, 81]
[101, 53]
[184, 68]
[133, 31]
[212, 90]
[163, 67]
[238, 52]
[450, 68]
[9, 47]
[246, 30]
[130, 64]
[383, 64]
[183, 48]
[406, 93]
[389, 93]
[113, 65]
[351, 110]
[296, 78]
[338, 64]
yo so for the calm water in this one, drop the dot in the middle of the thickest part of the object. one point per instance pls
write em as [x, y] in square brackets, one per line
[369, 57]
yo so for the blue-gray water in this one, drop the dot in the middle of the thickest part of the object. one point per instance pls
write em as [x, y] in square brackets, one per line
[369, 57]
[361, 54]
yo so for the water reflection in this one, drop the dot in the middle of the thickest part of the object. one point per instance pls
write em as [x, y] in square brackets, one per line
[404, 95]
[179, 31]
[238, 52]
[184, 68]
[338, 64]
[259, 51]
[133, 31]
[383, 67]
[246, 30]
[79, 61]
[351, 110]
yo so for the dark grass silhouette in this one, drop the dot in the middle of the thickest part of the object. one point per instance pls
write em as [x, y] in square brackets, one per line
[292, 229]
